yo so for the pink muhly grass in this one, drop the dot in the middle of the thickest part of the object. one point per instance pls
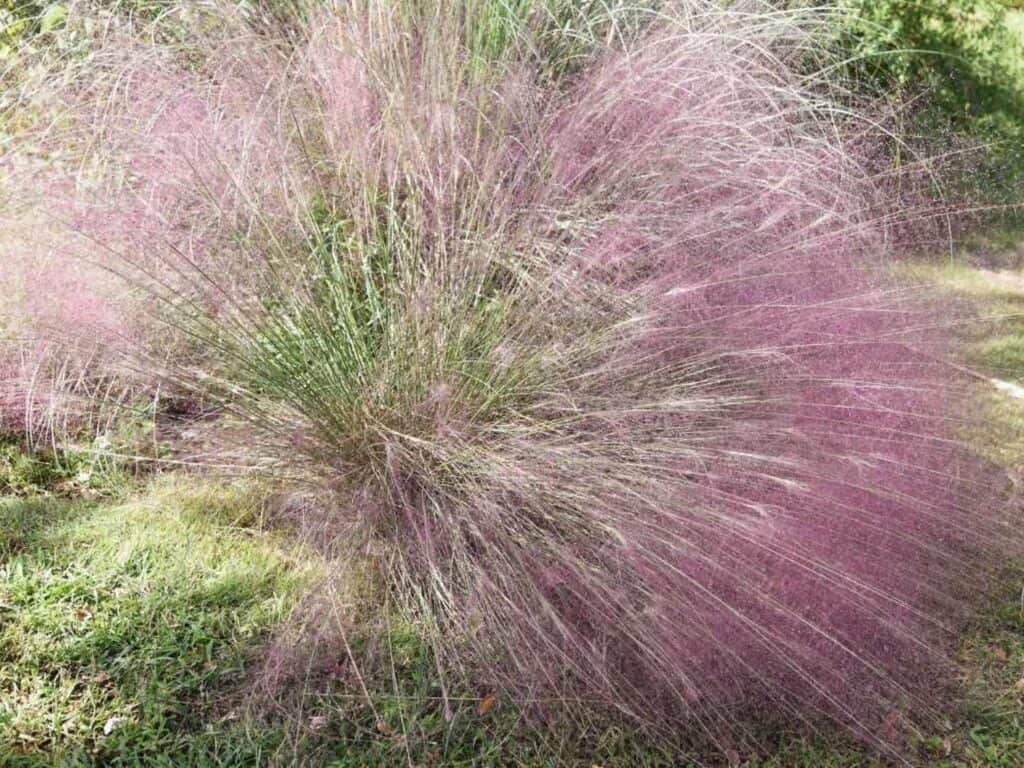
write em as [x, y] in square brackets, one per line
[612, 369]
[63, 329]
[139, 171]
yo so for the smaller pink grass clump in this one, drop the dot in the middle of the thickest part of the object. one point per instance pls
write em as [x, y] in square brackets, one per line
[181, 158]
[64, 330]
[141, 172]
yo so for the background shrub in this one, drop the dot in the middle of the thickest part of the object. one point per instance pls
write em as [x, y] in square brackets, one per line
[962, 63]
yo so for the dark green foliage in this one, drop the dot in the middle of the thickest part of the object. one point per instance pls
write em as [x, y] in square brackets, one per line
[22, 472]
[962, 64]
[965, 49]
[26, 473]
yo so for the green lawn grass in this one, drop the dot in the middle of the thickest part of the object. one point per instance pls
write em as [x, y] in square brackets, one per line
[132, 627]
[123, 626]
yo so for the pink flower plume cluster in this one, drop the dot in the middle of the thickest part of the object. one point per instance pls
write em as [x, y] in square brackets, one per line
[759, 499]
[142, 168]
[61, 325]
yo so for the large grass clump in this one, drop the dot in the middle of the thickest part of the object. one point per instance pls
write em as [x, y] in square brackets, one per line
[578, 317]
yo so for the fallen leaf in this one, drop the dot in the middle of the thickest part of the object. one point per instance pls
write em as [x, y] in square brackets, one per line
[112, 724]
[890, 726]
[487, 704]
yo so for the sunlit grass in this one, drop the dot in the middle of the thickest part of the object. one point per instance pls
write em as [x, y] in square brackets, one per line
[987, 308]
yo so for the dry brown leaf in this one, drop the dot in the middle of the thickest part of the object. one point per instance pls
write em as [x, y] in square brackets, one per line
[487, 704]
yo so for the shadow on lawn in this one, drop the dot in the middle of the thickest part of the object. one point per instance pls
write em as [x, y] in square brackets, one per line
[28, 523]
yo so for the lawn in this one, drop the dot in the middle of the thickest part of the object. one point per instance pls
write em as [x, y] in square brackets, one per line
[125, 627]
